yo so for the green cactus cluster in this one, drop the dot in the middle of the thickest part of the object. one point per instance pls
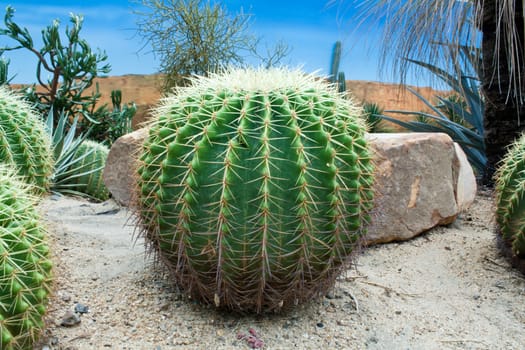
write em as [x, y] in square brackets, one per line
[83, 174]
[510, 200]
[24, 143]
[25, 268]
[254, 187]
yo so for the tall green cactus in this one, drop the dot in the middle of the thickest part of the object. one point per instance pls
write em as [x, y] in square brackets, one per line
[25, 268]
[24, 143]
[510, 200]
[334, 62]
[83, 174]
[254, 187]
[336, 77]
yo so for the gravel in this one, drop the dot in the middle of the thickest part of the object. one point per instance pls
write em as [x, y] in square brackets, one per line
[447, 289]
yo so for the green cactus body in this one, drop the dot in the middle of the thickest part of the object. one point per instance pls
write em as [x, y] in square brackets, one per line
[254, 187]
[25, 268]
[24, 142]
[84, 175]
[510, 197]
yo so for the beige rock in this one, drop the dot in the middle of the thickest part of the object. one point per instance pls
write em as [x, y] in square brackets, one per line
[120, 165]
[422, 180]
[465, 180]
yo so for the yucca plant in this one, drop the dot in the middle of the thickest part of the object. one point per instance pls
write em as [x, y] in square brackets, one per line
[510, 202]
[84, 175]
[79, 162]
[254, 187]
[25, 268]
[23, 141]
[469, 132]
[372, 113]
[454, 107]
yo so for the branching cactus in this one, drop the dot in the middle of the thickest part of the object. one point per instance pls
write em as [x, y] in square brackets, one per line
[25, 268]
[510, 200]
[254, 187]
[83, 174]
[24, 143]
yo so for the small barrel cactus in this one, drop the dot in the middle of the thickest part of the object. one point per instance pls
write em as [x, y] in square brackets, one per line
[254, 187]
[25, 268]
[24, 142]
[83, 174]
[510, 200]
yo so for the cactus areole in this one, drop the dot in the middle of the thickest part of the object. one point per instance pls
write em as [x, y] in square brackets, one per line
[254, 187]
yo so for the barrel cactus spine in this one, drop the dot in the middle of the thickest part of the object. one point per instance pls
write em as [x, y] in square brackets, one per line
[254, 187]
[510, 202]
[25, 268]
[24, 143]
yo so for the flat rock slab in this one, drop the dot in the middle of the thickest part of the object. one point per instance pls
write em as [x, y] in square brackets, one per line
[422, 180]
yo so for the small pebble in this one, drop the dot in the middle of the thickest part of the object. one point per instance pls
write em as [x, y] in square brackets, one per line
[81, 308]
[70, 319]
[320, 324]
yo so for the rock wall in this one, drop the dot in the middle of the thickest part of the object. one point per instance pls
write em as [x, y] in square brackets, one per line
[144, 91]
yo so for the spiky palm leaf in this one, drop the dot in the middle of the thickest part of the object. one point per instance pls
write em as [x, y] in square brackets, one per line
[466, 84]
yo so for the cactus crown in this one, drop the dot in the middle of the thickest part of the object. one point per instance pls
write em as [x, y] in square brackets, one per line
[254, 186]
[510, 197]
[24, 142]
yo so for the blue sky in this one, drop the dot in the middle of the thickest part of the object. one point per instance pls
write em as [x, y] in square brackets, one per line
[310, 29]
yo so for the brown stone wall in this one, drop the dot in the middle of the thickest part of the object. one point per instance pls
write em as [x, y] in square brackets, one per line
[144, 91]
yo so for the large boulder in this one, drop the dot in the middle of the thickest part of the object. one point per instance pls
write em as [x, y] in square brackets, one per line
[119, 173]
[422, 180]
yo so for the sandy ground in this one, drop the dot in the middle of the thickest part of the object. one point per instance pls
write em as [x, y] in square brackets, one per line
[447, 289]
